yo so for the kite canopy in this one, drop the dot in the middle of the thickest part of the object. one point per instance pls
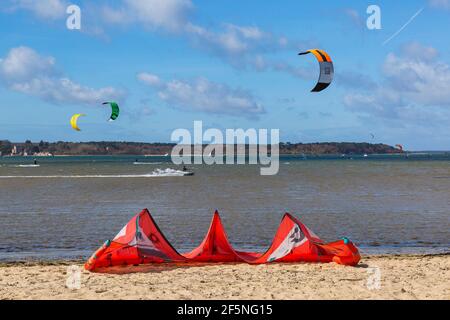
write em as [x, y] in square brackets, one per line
[74, 121]
[326, 69]
[114, 110]
[141, 242]
[399, 146]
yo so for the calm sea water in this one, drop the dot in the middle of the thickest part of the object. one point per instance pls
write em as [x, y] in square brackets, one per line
[68, 206]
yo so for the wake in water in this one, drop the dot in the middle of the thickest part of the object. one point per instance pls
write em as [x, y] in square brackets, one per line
[146, 163]
[170, 173]
[157, 173]
[25, 166]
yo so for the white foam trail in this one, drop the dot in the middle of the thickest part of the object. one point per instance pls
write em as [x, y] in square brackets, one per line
[146, 163]
[169, 173]
[26, 166]
[157, 173]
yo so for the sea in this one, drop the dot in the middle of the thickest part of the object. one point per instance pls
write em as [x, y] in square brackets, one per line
[66, 207]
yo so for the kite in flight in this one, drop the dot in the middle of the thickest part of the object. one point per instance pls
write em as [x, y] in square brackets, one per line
[114, 110]
[399, 146]
[326, 69]
[74, 120]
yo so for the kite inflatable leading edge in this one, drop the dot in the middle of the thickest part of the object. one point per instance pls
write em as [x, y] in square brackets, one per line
[326, 69]
[115, 110]
[141, 242]
[74, 121]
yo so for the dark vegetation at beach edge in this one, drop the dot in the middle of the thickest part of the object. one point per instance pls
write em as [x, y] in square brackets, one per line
[137, 148]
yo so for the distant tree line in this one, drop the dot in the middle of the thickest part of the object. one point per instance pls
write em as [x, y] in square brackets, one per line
[336, 148]
[141, 148]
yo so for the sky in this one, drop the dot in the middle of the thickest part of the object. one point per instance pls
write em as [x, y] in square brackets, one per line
[230, 64]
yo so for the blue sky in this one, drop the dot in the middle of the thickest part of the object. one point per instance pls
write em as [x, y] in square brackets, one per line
[232, 64]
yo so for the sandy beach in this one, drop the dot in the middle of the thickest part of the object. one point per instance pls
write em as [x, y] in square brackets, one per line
[376, 277]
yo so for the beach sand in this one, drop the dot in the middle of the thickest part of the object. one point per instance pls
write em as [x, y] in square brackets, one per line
[401, 277]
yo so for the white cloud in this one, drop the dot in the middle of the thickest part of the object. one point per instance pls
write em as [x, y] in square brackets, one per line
[239, 45]
[309, 72]
[24, 70]
[354, 79]
[440, 4]
[61, 90]
[234, 40]
[414, 86]
[170, 15]
[148, 78]
[204, 96]
[173, 16]
[354, 16]
[21, 63]
[242, 46]
[229, 41]
[45, 9]
[382, 103]
[419, 81]
[114, 16]
[416, 51]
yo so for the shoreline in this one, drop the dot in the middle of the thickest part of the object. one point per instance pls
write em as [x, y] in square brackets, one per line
[202, 155]
[434, 155]
[65, 262]
[36, 261]
[425, 276]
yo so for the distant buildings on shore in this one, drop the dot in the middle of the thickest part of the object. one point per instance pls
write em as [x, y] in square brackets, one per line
[20, 151]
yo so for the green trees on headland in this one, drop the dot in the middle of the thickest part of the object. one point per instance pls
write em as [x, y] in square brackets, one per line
[140, 148]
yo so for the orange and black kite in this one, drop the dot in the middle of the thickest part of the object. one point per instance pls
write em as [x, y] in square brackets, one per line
[326, 69]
